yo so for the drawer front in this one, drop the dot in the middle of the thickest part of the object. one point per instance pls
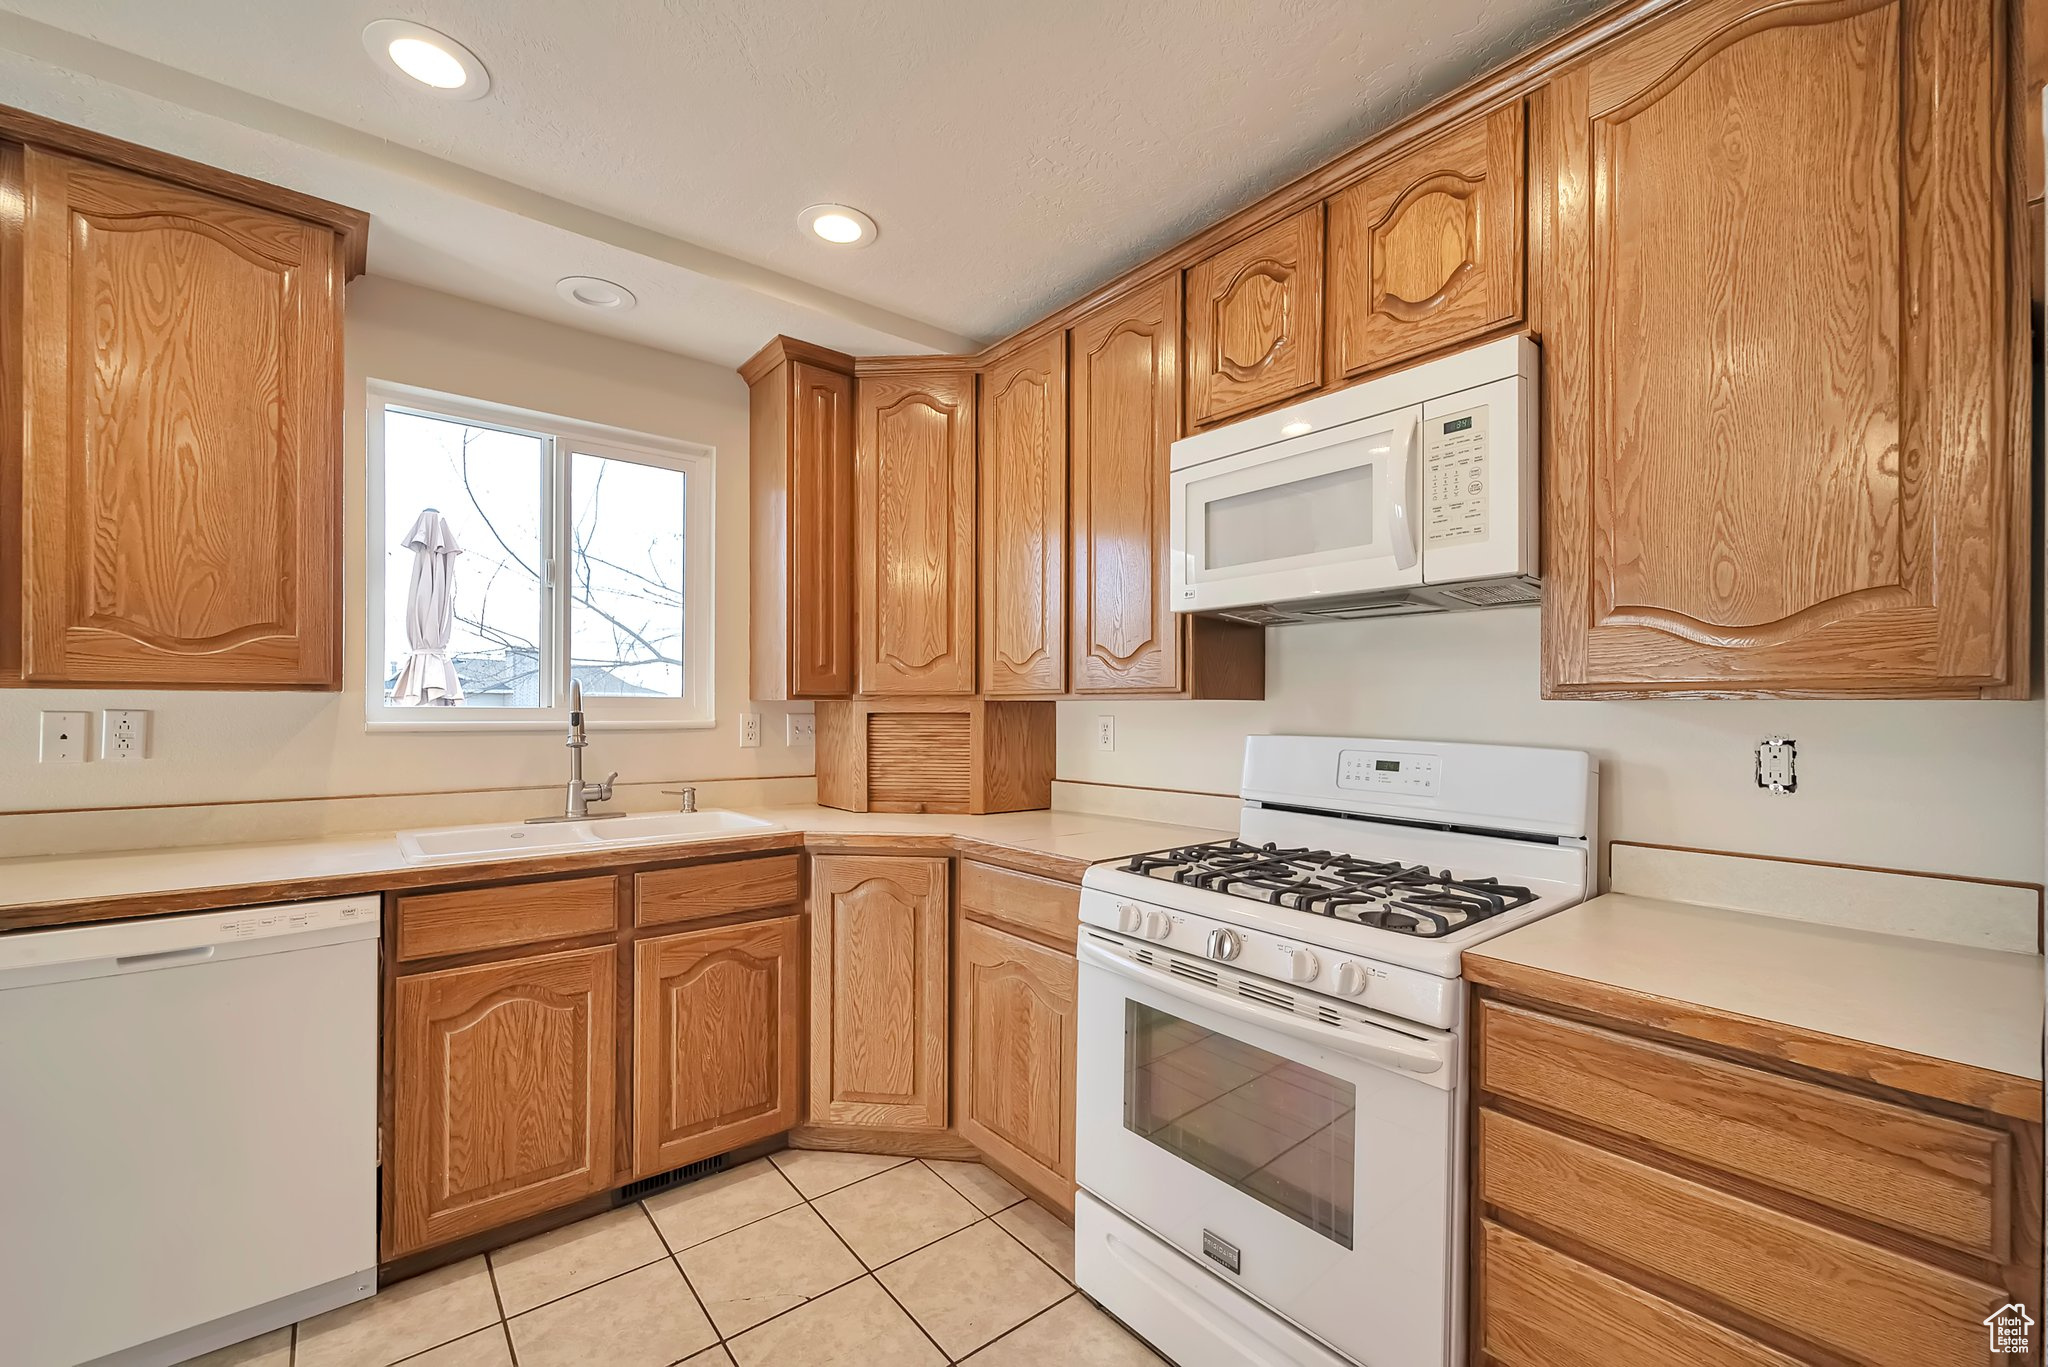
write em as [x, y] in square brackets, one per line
[1040, 907]
[1835, 1291]
[1538, 1308]
[667, 896]
[1922, 1174]
[494, 918]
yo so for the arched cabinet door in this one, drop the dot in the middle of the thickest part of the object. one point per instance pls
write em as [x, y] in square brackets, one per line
[1014, 1055]
[1255, 320]
[1784, 356]
[181, 491]
[503, 1094]
[1024, 521]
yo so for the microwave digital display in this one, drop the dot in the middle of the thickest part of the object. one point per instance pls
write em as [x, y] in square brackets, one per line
[1457, 425]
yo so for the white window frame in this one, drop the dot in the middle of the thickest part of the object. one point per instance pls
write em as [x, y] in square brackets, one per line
[562, 438]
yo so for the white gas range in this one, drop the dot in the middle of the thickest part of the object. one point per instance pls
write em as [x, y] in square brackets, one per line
[1271, 1095]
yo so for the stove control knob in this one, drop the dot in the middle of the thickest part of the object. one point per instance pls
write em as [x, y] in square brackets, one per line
[1129, 919]
[1225, 944]
[1303, 966]
[1157, 927]
[1351, 979]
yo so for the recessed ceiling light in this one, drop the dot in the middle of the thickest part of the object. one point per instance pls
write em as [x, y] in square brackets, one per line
[593, 293]
[838, 224]
[445, 67]
[1297, 429]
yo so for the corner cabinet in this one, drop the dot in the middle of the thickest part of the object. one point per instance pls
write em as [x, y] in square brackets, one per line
[914, 546]
[1255, 320]
[1024, 521]
[1785, 356]
[179, 482]
[878, 991]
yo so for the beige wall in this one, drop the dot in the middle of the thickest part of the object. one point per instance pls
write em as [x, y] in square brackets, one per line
[215, 747]
[1947, 787]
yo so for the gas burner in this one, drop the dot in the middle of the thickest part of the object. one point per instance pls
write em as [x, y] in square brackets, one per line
[1407, 898]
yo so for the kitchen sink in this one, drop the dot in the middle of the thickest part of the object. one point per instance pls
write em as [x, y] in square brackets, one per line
[452, 844]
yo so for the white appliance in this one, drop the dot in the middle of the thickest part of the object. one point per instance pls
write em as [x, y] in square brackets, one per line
[1271, 1091]
[188, 1130]
[1415, 492]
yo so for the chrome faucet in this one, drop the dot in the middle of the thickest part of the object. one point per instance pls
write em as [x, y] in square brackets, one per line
[580, 794]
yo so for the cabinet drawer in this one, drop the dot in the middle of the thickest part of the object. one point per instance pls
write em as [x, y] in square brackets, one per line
[493, 918]
[1922, 1174]
[666, 896]
[1856, 1299]
[1539, 1308]
[1040, 907]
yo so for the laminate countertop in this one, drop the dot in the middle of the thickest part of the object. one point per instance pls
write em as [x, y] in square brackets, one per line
[76, 888]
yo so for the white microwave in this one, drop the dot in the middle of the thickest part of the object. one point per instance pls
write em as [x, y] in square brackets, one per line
[1414, 492]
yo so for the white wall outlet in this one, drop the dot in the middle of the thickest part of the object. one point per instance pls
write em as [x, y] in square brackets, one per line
[801, 728]
[1105, 732]
[1777, 765]
[750, 730]
[124, 735]
[64, 736]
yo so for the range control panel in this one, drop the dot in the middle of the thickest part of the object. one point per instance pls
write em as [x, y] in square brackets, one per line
[1372, 772]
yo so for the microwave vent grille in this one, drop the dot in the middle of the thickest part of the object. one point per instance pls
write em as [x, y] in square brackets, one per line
[1501, 593]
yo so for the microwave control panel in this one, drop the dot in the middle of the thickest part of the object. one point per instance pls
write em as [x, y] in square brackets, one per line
[1372, 772]
[1455, 496]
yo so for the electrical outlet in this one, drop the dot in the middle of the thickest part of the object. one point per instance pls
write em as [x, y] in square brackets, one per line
[124, 735]
[64, 737]
[801, 728]
[1777, 765]
[1105, 732]
[750, 730]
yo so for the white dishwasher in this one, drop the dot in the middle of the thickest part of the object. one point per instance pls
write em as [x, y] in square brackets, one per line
[188, 1130]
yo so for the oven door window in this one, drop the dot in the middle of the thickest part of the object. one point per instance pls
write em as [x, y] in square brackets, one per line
[1279, 1131]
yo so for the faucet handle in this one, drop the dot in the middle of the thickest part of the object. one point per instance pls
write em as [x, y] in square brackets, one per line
[604, 789]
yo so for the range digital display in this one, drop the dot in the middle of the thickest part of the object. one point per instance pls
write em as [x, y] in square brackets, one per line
[1387, 766]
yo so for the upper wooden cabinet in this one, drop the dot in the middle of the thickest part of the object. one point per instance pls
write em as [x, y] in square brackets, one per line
[1024, 521]
[1126, 405]
[1426, 250]
[914, 539]
[878, 991]
[1784, 355]
[801, 470]
[1255, 320]
[180, 481]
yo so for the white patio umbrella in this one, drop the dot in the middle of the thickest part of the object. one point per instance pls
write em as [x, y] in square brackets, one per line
[429, 678]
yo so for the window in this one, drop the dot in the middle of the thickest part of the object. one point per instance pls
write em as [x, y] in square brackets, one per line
[513, 554]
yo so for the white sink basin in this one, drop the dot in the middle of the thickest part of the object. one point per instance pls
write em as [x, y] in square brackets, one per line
[453, 844]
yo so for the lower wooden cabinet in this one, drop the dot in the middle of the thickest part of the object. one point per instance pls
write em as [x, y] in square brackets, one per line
[1013, 1057]
[503, 1099]
[717, 1035]
[878, 991]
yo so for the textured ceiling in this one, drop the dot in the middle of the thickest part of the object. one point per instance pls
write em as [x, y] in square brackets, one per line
[1014, 155]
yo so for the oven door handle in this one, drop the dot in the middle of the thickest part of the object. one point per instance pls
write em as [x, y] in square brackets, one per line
[1388, 1048]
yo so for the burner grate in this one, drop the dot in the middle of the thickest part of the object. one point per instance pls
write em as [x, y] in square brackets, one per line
[1387, 894]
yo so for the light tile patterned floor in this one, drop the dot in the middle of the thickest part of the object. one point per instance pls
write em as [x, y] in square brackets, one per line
[803, 1259]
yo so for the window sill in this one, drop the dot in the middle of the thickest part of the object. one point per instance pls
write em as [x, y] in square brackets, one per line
[556, 724]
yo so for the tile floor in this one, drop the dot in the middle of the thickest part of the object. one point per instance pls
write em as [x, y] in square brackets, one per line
[802, 1258]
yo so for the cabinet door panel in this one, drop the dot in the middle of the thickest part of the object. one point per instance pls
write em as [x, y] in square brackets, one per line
[1789, 469]
[878, 991]
[1014, 1056]
[1255, 320]
[914, 546]
[820, 535]
[1126, 405]
[182, 493]
[716, 1017]
[1024, 521]
[1426, 251]
[502, 1094]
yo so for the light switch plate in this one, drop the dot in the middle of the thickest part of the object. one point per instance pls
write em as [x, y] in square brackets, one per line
[750, 730]
[801, 728]
[124, 735]
[64, 737]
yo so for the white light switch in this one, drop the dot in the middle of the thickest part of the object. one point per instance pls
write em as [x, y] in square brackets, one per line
[124, 735]
[802, 728]
[64, 737]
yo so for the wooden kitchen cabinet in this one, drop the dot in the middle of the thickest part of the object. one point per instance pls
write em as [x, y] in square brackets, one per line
[176, 508]
[1024, 521]
[1255, 320]
[1013, 1057]
[878, 991]
[1426, 249]
[800, 437]
[1785, 356]
[503, 1096]
[717, 1040]
[914, 547]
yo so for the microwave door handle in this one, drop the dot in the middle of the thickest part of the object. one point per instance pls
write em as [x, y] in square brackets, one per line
[1388, 1048]
[1407, 499]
